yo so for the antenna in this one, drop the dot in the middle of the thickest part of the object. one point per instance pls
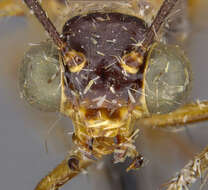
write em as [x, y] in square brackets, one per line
[36, 8]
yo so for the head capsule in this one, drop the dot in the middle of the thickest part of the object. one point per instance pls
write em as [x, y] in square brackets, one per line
[101, 90]
[103, 78]
[167, 78]
[39, 77]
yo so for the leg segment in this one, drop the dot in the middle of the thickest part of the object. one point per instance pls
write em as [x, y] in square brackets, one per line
[195, 169]
[66, 170]
[189, 113]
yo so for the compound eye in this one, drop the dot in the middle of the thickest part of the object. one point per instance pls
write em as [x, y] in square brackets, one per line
[75, 61]
[167, 78]
[131, 62]
[39, 77]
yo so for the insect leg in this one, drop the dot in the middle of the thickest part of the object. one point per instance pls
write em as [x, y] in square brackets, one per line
[189, 113]
[74, 164]
[196, 168]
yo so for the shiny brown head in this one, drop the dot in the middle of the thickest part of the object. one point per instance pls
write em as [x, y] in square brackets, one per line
[102, 69]
[112, 72]
[105, 72]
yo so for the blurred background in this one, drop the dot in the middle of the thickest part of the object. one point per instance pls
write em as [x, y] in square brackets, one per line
[24, 159]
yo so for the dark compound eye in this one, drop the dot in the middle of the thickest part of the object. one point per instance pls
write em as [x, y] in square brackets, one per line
[167, 78]
[39, 77]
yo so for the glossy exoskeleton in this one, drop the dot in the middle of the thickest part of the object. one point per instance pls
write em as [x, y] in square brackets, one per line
[105, 71]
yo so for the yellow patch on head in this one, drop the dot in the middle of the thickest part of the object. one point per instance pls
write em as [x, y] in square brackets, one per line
[131, 62]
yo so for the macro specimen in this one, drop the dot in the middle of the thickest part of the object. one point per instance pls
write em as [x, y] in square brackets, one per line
[113, 74]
